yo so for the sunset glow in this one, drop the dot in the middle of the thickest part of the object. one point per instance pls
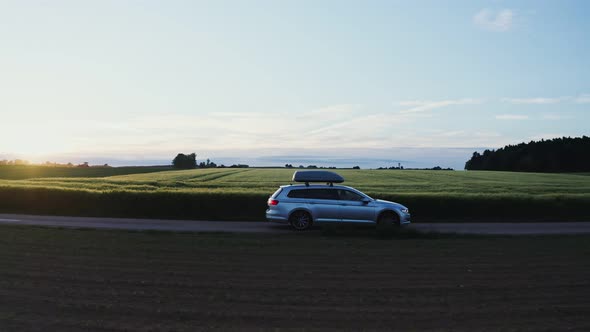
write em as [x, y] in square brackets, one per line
[237, 79]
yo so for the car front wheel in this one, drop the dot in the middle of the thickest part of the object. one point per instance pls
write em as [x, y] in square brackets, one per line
[300, 220]
[388, 221]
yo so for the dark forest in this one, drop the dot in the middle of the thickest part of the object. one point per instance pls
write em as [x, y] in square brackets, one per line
[564, 154]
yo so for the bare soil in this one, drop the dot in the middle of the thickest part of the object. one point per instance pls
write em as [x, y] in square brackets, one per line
[90, 280]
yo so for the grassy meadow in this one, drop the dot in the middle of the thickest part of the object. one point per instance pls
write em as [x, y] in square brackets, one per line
[240, 194]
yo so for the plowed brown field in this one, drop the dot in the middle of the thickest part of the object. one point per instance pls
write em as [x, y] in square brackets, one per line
[76, 280]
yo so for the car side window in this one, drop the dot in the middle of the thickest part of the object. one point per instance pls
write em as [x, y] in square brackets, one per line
[322, 194]
[298, 193]
[347, 195]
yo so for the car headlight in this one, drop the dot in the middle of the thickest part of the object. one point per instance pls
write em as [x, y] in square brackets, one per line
[406, 210]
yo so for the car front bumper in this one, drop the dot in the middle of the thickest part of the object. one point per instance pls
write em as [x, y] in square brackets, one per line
[405, 219]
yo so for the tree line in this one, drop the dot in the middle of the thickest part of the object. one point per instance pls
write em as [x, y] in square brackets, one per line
[189, 161]
[563, 154]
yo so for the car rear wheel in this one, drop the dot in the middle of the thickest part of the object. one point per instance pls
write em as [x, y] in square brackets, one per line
[300, 220]
[388, 221]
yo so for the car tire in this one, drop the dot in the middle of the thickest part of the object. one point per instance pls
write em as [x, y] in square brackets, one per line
[300, 220]
[388, 221]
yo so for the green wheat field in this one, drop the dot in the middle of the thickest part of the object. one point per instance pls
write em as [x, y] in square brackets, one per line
[240, 194]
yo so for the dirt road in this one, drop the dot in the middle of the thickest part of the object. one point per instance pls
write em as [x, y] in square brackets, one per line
[266, 227]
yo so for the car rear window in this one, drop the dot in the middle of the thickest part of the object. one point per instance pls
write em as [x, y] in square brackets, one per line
[277, 193]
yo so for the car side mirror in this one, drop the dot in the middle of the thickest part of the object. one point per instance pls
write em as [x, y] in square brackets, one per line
[366, 201]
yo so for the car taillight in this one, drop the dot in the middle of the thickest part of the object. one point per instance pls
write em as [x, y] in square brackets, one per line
[273, 201]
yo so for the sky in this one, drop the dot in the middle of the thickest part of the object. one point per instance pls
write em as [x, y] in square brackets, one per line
[267, 82]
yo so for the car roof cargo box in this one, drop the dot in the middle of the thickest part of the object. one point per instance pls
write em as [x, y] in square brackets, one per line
[317, 176]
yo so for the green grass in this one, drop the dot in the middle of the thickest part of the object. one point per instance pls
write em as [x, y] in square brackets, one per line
[241, 193]
[266, 181]
[95, 280]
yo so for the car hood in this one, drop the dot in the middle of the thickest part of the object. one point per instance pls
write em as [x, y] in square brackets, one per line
[388, 203]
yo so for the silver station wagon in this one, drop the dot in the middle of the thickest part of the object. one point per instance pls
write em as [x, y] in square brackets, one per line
[302, 205]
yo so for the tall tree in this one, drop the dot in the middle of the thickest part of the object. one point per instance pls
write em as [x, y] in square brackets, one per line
[183, 161]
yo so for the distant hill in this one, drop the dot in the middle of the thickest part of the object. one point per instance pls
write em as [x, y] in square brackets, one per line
[564, 154]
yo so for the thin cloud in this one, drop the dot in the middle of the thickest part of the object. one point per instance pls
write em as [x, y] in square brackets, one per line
[427, 105]
[535, 101]
[582, 99]
[413, 103]
[491, 20]
[337, 109]
[457, 138]
[511, 117]
[555, 117]
[329, 113]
